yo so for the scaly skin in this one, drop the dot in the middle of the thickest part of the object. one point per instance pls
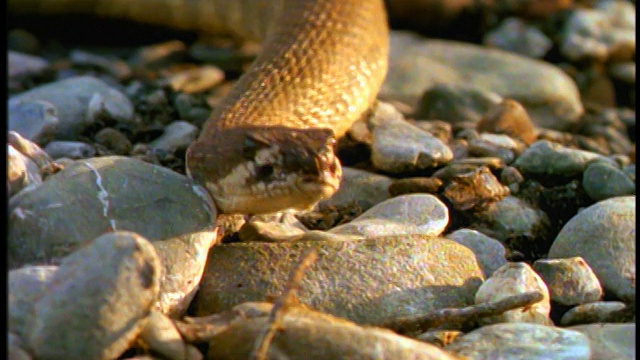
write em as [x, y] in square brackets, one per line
[265, 146]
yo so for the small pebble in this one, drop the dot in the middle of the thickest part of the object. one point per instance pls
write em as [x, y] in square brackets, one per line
[510, 118]
[511, 279]
[475, 189]
[593, 312]
[602, 180]
[70, 149]
[114, 140]
[516, 36]
[177, 136]
[489, 252]
[570, 281]
[430, 185]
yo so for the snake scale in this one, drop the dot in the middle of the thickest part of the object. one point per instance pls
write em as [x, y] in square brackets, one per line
[269, 145]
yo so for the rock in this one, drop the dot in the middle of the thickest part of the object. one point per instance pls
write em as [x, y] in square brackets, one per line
[158, 55]
[625, 71]
[21, 171]
[438, 128]
[23, 41]
[604, 236]
[183, 258]
[512, 279]
[191, 108]
[480, 148]
[602, 180]
[510, 118]
[114, 140]
[512, 178]
[399, 146]
[36, 120]
[514, 223]
[389, 277]
[412, 185]
[593, 312]
[489, 252]
[195, 80]
[22, 65]
[16, 348]
[570, 281]
[407, 214]
[610, 341]
[476, 189]
[96, 195]
[161, 336]
[112, 66]
[100, 296]
[29, 149]
[26, 286]
[516, 36]
[308, 334]
[521, 341]
[461, 105]
[544, 158]
[268, 231]
[361, 187]
[177, 136]
[607, 31]
[548, 94]
[79, 101]
[70, 149]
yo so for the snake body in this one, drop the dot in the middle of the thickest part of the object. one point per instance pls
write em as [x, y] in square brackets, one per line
[269, 144]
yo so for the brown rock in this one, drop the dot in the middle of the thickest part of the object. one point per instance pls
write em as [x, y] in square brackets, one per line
[510, 118]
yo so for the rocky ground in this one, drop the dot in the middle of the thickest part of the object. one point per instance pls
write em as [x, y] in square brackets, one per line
[487, 208]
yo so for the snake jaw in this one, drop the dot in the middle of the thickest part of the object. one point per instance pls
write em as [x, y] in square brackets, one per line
[268, 169]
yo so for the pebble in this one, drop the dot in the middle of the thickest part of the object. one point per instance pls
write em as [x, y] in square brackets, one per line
[158, 55]
[23, 41]
[183, 259]
[162, 337]
[603, 180]
[511, 178]
[550, 96]
[114, 140]
[268, 231]
[389, 276]
[70, 149]
[570, 281]
[474, 190]
[515, 278]
[521, 341]
[22, 172]
[100, 194]
[178, 135]
[407, 214]
[604, 236]
[195, 80]
[29, 149]
[16, 348]
[610, 341]
[624, 71]
[604, 32]
[22, 65]
[489, 252]
[79, 102]
[105, 288]
[430, 185]
[482, 148]
[112, 66]
[26, 286]
[544, 158]
[35, 120]
[509, 118]
[191, 109]
[515, 223]
[438, 128]
[593, 312]
[461, 105]
[365, 188]
[516, 36]
[400, 147]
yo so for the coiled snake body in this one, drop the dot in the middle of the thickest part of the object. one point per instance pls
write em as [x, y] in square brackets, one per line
[269, 144]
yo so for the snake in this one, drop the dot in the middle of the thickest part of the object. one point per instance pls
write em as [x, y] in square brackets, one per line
[270, 143]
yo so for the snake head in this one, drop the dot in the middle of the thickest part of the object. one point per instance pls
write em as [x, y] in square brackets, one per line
[265, 169]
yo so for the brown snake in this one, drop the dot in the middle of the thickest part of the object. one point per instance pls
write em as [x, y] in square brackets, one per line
[269, 145]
